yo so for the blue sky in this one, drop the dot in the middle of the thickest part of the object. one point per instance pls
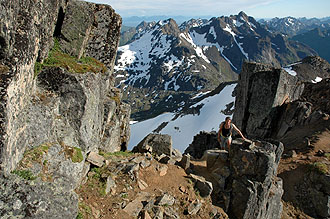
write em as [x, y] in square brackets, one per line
[216, 8]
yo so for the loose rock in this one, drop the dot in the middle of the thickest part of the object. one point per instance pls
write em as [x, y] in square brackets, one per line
[194, 207]
[96, 159]
[205, 187]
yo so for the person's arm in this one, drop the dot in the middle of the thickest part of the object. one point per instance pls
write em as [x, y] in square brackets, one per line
[220, 129]
[238, 131]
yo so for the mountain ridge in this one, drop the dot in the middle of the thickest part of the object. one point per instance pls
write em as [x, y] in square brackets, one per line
[195, 56]
[294, 26]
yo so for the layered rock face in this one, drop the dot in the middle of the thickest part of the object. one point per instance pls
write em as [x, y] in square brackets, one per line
[25, 35]
[52, 116]
[58, 105]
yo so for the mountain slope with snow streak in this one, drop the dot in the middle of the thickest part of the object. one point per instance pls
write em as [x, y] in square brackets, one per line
[186, 126]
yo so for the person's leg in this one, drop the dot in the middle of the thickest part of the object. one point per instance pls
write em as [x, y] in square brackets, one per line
[222, 143]
[228, 142]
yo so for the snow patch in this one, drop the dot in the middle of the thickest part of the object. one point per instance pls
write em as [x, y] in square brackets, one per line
[229, 30]
[237, 23]
[290, 71]
[189, 125]
[200, 94]
[212, 31]
[317, 79]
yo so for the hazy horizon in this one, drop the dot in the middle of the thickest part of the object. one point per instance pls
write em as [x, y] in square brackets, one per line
[259, 9]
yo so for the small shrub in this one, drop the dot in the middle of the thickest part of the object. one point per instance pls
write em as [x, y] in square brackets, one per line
[318, 167]
[77, 155]
[25, 174]
[37, 68]
[197, 193]
[79, 216]
[327, 155]
[102, 190]
[124, 195]
[84, 210]
[97, 172]
[34, 155]
[74, 153]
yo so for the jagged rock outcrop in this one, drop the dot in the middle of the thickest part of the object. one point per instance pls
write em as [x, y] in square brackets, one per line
[247, 185]
[260, 91]
[245, 178]
[270, 101]
[311, 67]
[25, 36]
[91, 30]
[56, 108]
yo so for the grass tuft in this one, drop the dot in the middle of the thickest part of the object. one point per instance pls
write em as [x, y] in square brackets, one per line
[25, 174]
[318, 167]
[108, 155]
[57, 58]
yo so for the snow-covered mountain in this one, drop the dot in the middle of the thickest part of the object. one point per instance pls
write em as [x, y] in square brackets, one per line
[204, 115]
[293, 26]
[166, 60]
[206, 110]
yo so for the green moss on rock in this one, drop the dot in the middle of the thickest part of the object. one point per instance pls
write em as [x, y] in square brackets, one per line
[77, 155]
[73, 153]
[34, 155]
[25, 174]
[57, 58]
[116, 154]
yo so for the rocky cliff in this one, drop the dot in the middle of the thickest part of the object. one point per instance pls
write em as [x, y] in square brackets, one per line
[291, 105]
[58, 102]
[270, 101]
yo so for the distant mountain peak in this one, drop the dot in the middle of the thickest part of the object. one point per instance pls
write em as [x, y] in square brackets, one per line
[293, 26]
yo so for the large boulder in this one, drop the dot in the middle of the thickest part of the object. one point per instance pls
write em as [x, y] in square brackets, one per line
[256, 191]
[155, 143]
[202, 142]
[204, 187]
[245, 179]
